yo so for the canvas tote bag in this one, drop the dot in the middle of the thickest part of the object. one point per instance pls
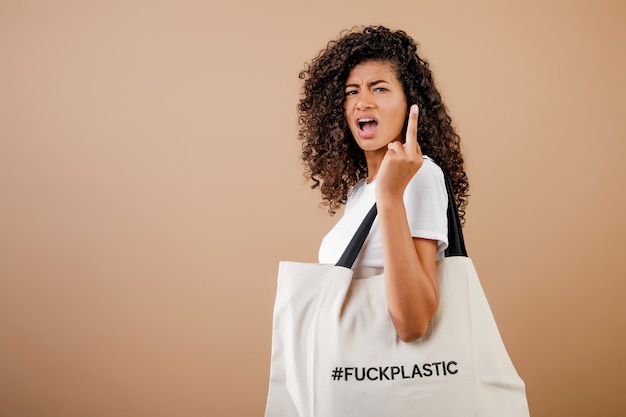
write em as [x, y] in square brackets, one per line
[336, 353]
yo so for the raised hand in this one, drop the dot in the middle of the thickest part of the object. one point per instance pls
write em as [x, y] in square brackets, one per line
[400, 163]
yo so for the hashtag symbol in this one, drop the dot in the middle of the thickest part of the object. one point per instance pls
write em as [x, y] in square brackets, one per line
[337, 373]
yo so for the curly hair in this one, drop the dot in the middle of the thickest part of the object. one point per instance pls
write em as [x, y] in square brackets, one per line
[332, 158]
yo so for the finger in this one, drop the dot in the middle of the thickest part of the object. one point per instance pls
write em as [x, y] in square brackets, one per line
[411, 130]
[396, 147]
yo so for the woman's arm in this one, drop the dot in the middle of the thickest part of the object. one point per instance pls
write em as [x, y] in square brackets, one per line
[410, 273]
[410, 263]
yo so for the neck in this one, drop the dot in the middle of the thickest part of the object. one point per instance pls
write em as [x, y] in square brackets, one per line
[373, 160]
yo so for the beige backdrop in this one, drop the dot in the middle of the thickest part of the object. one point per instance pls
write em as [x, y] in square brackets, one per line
[150, 182]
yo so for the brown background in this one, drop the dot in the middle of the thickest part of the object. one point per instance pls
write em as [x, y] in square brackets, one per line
[150, 182]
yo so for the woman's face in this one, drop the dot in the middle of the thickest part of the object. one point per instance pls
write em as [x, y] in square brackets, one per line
[375, 105]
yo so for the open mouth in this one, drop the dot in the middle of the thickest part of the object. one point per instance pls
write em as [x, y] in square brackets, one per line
[367, 124]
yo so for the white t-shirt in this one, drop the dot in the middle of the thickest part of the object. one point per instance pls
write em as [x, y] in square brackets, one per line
[426, 203]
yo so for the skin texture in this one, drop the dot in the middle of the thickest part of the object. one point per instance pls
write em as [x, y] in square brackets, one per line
[374, 92]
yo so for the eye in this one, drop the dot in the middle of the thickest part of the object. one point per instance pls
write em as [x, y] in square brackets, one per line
[350, 92]
[380, 89]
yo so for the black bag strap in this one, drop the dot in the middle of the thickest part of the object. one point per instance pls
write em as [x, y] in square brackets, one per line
[456, 242]
[357, 241]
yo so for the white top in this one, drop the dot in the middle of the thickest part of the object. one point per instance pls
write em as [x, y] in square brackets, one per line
[426, 203]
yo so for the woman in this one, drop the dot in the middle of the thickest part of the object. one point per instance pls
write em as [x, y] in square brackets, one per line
[374, 129]
[369, 115]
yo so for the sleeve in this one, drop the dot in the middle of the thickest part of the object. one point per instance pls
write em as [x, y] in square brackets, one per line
[426, 203]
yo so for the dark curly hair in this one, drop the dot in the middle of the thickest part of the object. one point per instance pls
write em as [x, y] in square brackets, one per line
[332, 158]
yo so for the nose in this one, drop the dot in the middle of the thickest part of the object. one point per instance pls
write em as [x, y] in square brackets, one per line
[364, 102]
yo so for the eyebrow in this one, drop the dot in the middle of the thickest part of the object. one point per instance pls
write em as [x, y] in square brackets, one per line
[370, 84]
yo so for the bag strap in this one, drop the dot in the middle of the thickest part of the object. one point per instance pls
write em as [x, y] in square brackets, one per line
[357, 241]
[456, 242]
